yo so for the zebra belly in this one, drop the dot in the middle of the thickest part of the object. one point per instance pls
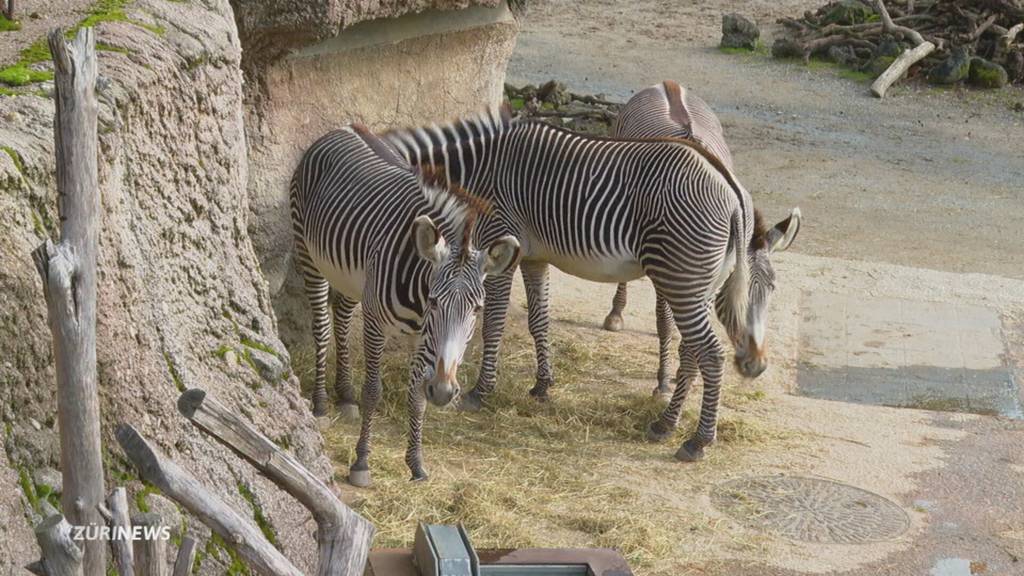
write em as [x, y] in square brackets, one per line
[601, 269]
[348, 282]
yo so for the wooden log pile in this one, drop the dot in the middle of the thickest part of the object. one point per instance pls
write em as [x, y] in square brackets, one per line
[978, 41]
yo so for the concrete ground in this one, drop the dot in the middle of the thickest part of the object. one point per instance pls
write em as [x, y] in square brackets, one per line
[903, 290]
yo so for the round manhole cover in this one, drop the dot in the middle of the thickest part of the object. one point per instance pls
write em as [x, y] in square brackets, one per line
[811, 509]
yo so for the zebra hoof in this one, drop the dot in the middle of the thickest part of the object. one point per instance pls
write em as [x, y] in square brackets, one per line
[419, 476]
[613, 323]
[471, 403]
[540, 394]
[690, 451]
[662, 392]
[359, 478]
[658, 432]
[319, 410]
[348, 412]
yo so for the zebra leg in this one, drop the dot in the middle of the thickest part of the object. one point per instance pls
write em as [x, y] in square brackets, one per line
[663, 427]
[613, 322]
[417, 405]
[535, 277]
[373, 337]
[317, 290]
[710, 356]
[345, 394]
[665, 326]
[496, 300]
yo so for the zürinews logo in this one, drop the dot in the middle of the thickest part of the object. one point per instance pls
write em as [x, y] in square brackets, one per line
[135, 533]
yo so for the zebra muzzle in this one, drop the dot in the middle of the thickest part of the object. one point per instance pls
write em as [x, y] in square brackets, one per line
[443, 386]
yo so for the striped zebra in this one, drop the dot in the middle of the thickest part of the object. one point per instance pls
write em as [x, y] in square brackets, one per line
[611, 211]
[375, 233]
[667, 110]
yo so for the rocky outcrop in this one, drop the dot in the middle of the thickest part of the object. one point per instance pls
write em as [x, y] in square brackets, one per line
[419, 68]
[180, 288]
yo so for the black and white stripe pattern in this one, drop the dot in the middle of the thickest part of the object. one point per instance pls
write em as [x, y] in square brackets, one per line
[605, 210]
[366, 227]
[665, 110]
[670, 110]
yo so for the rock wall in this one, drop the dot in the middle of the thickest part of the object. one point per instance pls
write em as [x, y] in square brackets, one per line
[418, 68]
[182, 302]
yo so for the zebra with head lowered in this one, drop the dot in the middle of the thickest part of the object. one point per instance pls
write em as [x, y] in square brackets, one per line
[368, 228]
[612, 211]
[668, 110]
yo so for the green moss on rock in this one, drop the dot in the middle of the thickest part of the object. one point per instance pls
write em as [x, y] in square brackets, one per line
[8, 25]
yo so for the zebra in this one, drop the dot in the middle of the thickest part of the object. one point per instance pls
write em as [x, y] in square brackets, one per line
[666, 110]
[400, 243]
[612, 211]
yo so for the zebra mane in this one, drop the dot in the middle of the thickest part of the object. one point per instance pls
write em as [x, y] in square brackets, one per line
[423, 144]
[456, 205]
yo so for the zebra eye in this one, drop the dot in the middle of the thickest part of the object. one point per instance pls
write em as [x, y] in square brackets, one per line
[478, 308]
[431, 302]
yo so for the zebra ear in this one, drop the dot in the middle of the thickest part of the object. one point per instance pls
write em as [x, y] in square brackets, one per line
[429, 242]
[782, 234]
[501, 255]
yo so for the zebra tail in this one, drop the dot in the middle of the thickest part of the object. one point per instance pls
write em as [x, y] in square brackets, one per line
[737, 290]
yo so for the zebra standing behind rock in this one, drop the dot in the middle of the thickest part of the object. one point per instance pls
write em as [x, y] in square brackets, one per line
[668, 110]
[612, 211]
[373, 231]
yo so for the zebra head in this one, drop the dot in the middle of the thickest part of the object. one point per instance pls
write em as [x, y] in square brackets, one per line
[455, 292]
[751, 351]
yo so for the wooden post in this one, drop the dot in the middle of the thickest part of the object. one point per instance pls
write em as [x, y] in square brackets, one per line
[151, 549]
[68, 270]
[9, 10]
[61, 555]
[180, 486]
[121, 526]
[343, 536]
[186, 557]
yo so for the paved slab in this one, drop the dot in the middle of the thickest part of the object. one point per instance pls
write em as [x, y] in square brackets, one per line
[905, 353]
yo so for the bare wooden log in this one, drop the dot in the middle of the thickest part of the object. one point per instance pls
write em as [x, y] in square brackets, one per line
[61, 555]
[343, 536]
[151, 549]
[68, 271]
[180, 486]
[908, 58]
[889, 26]
[899, 67]
[186, 557]
[1006, 39]
[121, 527]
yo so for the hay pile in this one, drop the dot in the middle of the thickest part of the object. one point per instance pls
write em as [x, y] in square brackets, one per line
[575, 471]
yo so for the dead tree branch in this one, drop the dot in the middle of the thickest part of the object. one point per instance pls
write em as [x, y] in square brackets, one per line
[61, 555]
[180, 486]
[343, 537]
[68, 271]
[121, 526]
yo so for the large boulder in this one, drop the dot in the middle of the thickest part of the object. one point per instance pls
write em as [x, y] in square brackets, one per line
[953, 69]
[178, 277]
[985, 74]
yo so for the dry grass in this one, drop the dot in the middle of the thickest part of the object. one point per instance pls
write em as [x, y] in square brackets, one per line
[575, 471]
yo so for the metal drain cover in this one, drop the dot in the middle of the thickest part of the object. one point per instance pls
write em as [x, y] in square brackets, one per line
[811, 509]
